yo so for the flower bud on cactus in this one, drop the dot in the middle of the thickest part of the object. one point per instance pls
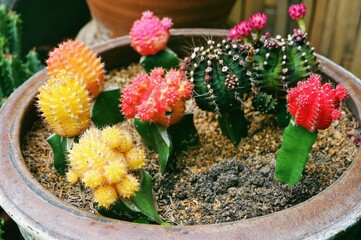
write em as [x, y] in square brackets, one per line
[150, 35]
[65, 104]
[297, 11]
[313, 107]
[258, 21]
[75, 57]
[120, 140]
[102, 167]
[158, 97]
[240, 31]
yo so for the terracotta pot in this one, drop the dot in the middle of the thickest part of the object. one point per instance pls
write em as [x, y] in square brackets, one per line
[41, 215]
[114, 18]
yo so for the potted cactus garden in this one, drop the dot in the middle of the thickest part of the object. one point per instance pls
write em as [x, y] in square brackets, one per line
[169, 146]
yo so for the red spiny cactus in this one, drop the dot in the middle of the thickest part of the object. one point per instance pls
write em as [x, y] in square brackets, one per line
[258, 21]
[240, 31]
[150, 35]
[75, 57]
[158, 97]
[313, 105]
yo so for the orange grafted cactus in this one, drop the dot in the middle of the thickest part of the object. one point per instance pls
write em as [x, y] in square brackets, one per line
[76, 57]
[65, 104]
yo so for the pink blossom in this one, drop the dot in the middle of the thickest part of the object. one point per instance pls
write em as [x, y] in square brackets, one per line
[240, 31]
[150, 35]
[297, 11]
[258, 21]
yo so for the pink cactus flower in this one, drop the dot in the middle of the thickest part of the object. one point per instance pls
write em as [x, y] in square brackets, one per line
[258, 21]
[313, 105]
[150, 35]
[240, 31]
[297, 11]
[158, 97]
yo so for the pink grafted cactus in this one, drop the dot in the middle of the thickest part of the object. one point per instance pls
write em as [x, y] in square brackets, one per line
[313, 105]
[297, 11]
[240, 31]
[158, 97]
[258, 21]
[150, 35]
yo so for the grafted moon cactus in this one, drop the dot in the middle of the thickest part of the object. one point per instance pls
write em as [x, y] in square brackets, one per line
[313, 106]
[158, 97]
[65, 104]
[103, 162]
[149, 35]
[76, 57]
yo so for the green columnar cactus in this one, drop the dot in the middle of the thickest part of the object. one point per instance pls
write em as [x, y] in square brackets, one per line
[221, 80]
[13, 69]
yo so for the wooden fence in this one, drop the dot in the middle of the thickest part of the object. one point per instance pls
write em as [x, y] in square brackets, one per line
[334, 26]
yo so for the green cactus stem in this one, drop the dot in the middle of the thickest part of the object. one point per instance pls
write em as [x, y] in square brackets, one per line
[32, 64]
[165, 58]
[15, 33]
[233, 125]
[293, 155]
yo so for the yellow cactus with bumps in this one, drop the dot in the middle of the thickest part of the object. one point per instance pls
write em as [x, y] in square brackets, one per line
[76, 57]
[97, 161]
[65, 104]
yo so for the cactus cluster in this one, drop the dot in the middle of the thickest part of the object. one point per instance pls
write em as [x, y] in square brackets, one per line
[15, 69]
[266, 67]
[104, 161]
[76, 77]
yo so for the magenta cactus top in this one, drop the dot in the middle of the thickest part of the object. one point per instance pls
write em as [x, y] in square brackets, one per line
[150, 35]
[258, 21]
[240, 31]
[297, 11]
[313, 105]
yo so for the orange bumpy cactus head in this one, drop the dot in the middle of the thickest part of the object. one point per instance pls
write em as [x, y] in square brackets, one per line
[150, 35]
[75, 57]
[103, 161]
[158, 97]
[313, 105]
[65, 104]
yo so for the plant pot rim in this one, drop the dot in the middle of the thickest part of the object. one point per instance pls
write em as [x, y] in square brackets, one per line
[42, 214]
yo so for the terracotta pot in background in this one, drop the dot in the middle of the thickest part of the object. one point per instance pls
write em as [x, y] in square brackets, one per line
[41, 215]
[114, 18]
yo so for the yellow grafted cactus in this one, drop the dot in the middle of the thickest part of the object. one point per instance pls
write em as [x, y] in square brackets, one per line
[118, 139]
[76, 57]
[115, 171]
[128, 187]
[103, 168]
[65, 104]
[135, 158]
[105, 196]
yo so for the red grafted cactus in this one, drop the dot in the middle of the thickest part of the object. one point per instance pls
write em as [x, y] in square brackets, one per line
[150, 35]
[75, 57]
[313, 105]
[158, 97]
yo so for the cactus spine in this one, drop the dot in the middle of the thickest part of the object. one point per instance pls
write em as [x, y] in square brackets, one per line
[13, 69]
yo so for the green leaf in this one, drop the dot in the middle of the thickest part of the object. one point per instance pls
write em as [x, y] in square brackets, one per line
[144, 199]
[106, 110]
[293, 154]
[1, 225]
[183, 133]
[165, 58]
[157, 138]
[122, 210]
[59, 145]
[234, 125]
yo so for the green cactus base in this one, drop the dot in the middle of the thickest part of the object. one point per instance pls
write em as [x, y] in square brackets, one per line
[60, 146]
[233, 125]
[165, 58]
[293, 154]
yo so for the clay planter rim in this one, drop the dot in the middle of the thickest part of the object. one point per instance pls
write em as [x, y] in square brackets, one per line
[45, 216]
